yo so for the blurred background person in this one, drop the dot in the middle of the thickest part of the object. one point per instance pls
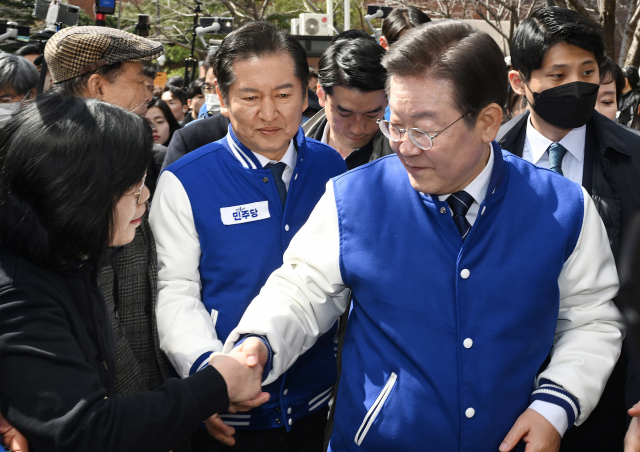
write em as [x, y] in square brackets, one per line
[630, 95]
[55, 234]
[516, 105]
[163, 125]
[176, 99]
[29, 52]
[195, 100]
[398, 22]
[313, 78]
[612, 83]
[18, 83]
[176, 81]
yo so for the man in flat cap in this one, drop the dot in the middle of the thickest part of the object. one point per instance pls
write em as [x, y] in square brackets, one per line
[106, 64]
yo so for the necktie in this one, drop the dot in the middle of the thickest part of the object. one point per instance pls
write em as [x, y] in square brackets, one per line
[459, 203]
[556, 154]
[277, 169]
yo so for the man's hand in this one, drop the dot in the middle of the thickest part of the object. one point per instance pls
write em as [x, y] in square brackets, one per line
[632, 438]
[534, 430]
[12, 438]
[220, 431]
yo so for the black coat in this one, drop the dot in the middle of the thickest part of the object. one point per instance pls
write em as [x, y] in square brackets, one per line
[612, 177]
[57, 370]
[611, 168]
[194, 136]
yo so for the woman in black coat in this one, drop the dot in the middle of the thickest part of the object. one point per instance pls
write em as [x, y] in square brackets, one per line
[71, 189]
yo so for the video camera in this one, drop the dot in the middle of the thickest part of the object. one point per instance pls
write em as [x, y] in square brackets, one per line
[214, 25]
[14, 32]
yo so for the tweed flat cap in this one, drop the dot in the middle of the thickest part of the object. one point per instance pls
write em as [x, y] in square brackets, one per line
[75, 51]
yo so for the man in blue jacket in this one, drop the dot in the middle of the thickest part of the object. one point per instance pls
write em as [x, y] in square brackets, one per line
[223, 216]
[467, 269]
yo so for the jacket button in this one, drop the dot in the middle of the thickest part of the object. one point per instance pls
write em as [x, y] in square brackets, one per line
[278, 409]
[289, 411]
[295, 178]
[470, 412]
[265, 179]
[147, 309]
[278, 421]
[464, 274]
[290, 421]
[468, 343]
[443, 210]
[285, 392]
[286, 227]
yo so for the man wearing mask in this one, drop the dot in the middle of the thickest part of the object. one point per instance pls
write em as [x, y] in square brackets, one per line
[223, 216]
[351, 91]
[556, 56]
[106, 64]
[18, 82]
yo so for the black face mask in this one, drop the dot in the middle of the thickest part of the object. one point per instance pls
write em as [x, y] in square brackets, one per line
[566, 106]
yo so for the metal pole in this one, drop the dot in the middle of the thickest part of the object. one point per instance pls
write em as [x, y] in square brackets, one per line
[347, 15]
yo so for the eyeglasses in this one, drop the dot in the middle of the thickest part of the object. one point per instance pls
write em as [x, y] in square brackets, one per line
[207, 89]
[138, 192]
[10, 105]
[418, 137]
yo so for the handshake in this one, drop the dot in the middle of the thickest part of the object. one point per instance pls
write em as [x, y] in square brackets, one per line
[242, 371]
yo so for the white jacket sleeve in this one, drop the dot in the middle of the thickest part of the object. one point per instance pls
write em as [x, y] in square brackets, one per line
[185, 329]
[303, 298]
[590, 330]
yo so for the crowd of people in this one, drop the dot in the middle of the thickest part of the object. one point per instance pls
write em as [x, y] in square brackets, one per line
[412, 246]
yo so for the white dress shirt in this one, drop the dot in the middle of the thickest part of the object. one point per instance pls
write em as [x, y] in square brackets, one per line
[289, 158]
[536, 145]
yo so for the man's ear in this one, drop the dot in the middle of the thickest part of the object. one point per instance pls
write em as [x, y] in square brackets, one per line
[517, 84]
[224, 110]
[189, 103]
[321, 95]
[490, 120]
[384, 43]
[95, 86]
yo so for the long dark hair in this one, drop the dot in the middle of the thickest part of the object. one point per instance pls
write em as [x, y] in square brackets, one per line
[168, 115]
[64, 164]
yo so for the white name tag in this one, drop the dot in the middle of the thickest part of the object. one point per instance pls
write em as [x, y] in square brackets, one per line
[245, 213]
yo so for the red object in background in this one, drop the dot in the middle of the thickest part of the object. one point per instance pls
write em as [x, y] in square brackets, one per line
[100, 19]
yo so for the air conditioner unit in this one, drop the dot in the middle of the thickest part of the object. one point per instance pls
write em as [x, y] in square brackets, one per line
[315, 25]
[295, 27]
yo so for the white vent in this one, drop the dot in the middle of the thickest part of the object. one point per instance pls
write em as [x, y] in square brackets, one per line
[315, 25]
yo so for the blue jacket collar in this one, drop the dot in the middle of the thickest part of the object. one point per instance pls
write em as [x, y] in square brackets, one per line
[499, 168]
[248, 160]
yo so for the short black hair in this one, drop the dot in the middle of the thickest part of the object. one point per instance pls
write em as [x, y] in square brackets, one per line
[195, 88]
[29, 49]
[631, 74]
[350, 34]
[400, 20]
[65, 162]
[168, 115]
[77, 86]
[452, 50]
[209, 61]
[611, 72]
[548, 27]
[176, 80]
[257, 39]
[352, 63]
[176, 93]
[150, 72]
[17, 74]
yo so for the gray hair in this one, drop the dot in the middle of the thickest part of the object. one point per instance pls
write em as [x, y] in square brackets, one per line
[18, 74]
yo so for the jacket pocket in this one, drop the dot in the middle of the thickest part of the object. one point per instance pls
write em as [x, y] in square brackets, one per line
[373, 412]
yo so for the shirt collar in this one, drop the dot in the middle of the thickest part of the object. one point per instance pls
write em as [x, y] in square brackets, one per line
[289, 157]
[478, 186]
[573, 142]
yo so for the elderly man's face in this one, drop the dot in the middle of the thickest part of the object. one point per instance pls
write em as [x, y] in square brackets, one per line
[129, 90]
[458, 154]
[266, 104]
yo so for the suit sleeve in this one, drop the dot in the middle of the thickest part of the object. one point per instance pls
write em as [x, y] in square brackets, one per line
[303, 298]
[185, 328]
[589, 332]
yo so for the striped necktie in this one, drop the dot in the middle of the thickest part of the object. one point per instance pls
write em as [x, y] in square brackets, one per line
[459, 203]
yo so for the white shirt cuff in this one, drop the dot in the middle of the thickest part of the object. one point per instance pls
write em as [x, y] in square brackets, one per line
[553, 413]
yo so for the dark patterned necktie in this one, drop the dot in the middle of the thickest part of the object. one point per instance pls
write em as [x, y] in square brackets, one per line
[459, 203]
[277, 169]
[556, 154]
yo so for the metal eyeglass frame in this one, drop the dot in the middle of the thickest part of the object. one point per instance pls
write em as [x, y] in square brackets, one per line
[138, 192]
[385, 128]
